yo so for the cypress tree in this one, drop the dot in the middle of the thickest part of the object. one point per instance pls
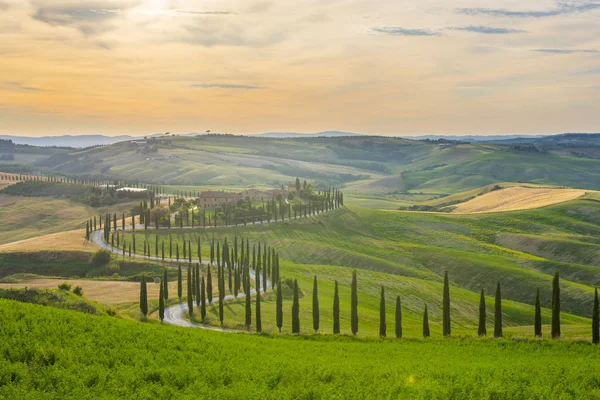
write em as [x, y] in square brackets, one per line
[596, 319]
[556, 307]
[382, 325]
[179, 283]
[481, 329]
[354, 305]
[258, 320]
[166, 286]
[161, 304]
[446, 306]
[202, 300]
[209, 287]
[190, 296]
[315, 305]
[221, 293]
[143, 297]
[336, 310]
[425, 323]
[197, 288]
[538, 315]
[279, 306]
[398, 318]
[248, 304]
[296, 309]
[498, 313]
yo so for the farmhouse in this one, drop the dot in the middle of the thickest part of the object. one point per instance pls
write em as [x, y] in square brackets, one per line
[257, 195]
[212, 199]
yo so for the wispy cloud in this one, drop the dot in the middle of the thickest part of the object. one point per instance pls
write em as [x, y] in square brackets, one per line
[399, 31]
[502, 12]
[17, 87]
[225, 86]
[4, 6]
[593, 71]
[565, 51]
[488, 30]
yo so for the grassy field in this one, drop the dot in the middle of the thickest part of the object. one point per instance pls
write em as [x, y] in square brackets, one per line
[54, 353]
[517, 198]
[408, 252]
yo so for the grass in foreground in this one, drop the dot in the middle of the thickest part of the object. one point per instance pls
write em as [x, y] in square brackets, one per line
[54, 354]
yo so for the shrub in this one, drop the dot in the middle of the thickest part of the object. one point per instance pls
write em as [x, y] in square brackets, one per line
[78, 291]
[111, 311]
[64, 286]
[101, 257]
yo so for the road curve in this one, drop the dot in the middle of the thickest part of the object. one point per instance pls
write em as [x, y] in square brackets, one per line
[174, 314]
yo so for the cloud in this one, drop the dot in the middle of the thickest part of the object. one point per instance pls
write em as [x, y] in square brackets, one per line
[18, 87]
[488, 30]
[225, 86]
[4, 6]
[594, 71]
[561, 10]
[565, 51]
[90, 19]
[398, 31]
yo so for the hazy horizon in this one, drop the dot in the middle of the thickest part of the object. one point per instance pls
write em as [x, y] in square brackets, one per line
[130, 67]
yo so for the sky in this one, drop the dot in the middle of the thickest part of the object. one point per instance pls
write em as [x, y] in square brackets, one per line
[387, 67]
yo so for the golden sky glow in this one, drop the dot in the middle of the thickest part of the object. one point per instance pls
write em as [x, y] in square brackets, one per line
[386, 67]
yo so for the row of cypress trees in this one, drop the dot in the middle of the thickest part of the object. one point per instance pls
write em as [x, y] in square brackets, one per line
[446, 321]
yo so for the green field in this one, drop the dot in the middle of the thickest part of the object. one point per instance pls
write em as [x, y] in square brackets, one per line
[57, 354]
[408, 252]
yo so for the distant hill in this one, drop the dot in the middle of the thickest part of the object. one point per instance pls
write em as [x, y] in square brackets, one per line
[67, 140]
[318, 134]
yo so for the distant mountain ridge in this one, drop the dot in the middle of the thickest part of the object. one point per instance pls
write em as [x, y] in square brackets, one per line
[80, 141]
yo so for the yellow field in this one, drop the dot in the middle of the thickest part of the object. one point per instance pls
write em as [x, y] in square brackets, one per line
[517, 198]
[105, 292]
[62, 241]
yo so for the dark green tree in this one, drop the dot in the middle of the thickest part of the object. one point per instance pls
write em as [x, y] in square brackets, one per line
[161, 304]
[354, 305]
[336, 310]
[498, 313]
[143, 297]
[446, 306]
[279, 306]
[190, 295]
[209, 287]
[426, 333]
[248, 304]
[556, 307]
[538, 315]
[202, 300]
[296, 309]
[382, 324]
[179, 283]
[596, 319]
[315, 305]
[165, 283]
[398, 318]
[481, 329]
[257, 317]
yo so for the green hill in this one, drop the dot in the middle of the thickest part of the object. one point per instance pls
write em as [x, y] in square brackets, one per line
[363, 165]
